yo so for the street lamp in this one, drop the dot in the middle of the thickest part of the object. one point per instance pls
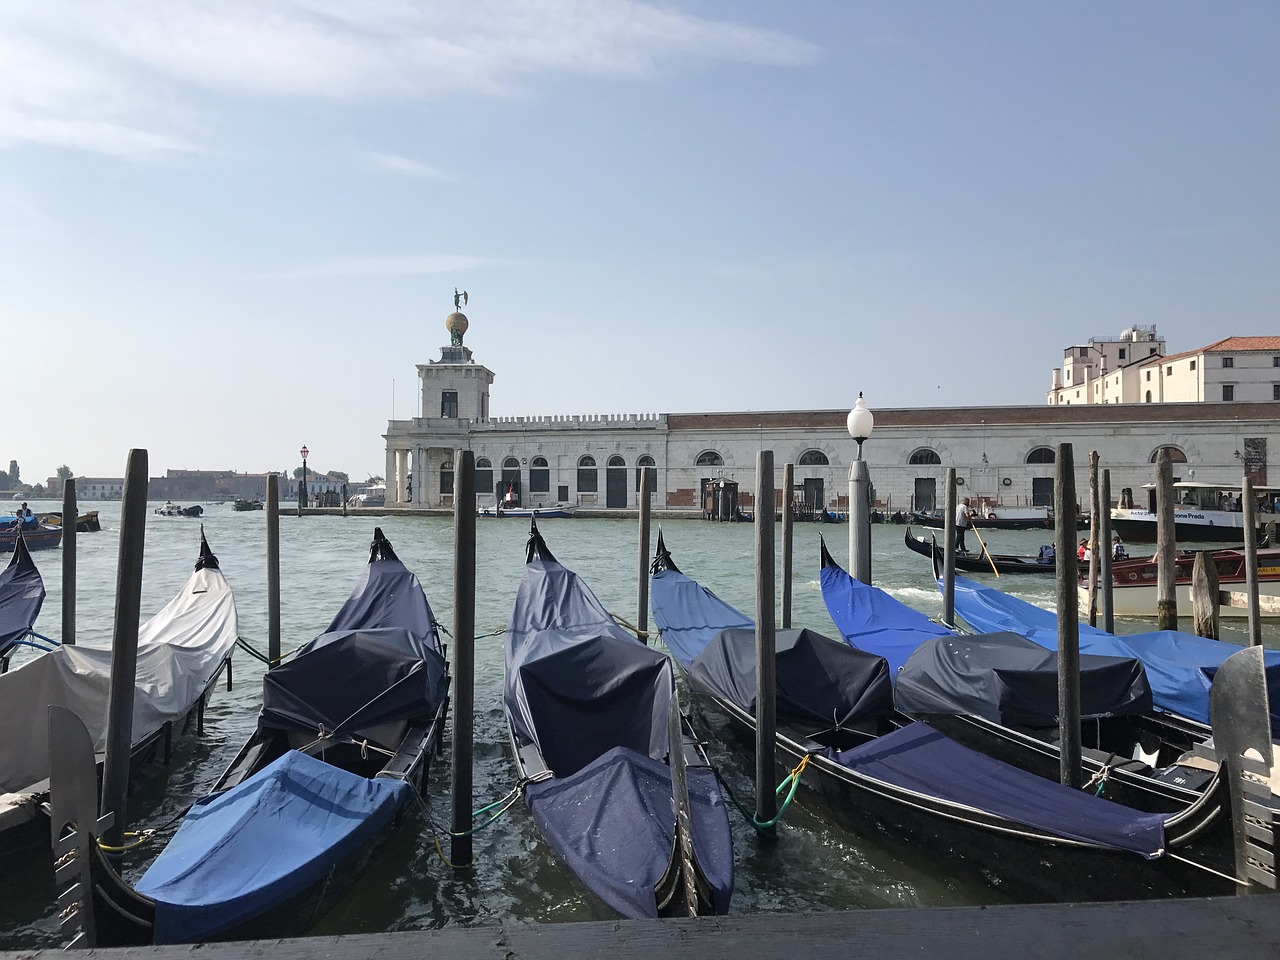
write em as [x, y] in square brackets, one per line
[302, 490]
[860, 424]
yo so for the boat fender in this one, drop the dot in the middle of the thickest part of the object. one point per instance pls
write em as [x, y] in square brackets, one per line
[1133, 576]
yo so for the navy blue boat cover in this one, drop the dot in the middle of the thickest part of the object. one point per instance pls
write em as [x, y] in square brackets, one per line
[307, 813]
[869, 619]
[21, 596]
[621, 848]
[1011, 681]
[388, 595]
[1180, 666]
[596, 703]
[353, 682]
[822, 683]
[921, 759]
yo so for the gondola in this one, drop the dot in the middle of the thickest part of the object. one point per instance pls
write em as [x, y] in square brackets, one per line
[86, 522]
[342, 746]
[984, 562]
[998, 692]
[182, 650]
[21, 596]
[1179, 665]
[610, 769]
[994, 521]
[875, 768]
[242, 504]
[36, 535]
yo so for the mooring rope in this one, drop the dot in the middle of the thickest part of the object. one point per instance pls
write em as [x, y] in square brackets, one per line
[790, 783]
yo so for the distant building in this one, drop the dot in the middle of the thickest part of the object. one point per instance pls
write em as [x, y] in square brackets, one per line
[1002, 455]
[1135, 369]
[89, 488]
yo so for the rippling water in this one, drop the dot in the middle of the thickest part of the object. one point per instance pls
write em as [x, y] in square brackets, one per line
[515, 878]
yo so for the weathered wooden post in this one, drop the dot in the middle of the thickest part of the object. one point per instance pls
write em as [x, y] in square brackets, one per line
[766, 666]
[273, 569]
[344, 499]
[464, 652]
[788, 539]
[1250, 519]
[124, 651]
[1064, 509]
[642, 580]
[949, 549]
[1094, 560]
[1166, 544]
[1106, 574]
[1204, 596]
[70, 515]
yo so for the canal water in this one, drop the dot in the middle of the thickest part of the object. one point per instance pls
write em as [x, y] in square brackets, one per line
[812, 865]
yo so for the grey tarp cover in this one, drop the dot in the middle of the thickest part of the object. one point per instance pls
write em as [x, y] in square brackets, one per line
[21, 596]
[180, 649]
[577, 683]
[1010, 680]
[820, 681]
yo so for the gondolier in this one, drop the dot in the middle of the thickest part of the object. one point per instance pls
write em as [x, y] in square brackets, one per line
[963, 522]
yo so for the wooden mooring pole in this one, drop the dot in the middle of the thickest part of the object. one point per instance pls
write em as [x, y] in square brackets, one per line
[124, 651]
[949, 549]
[1249, 506]
[1064, 509]
[766, 666]
[788, 539]
[1204, 596]
[642, 578]
[70, 515]
[1166, 544]
[1104, 538]
[464, 652]
[273, 569]
[1095, 561]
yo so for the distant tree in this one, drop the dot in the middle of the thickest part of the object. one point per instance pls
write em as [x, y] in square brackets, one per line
[64, 472]
[38, 490]
[339, 476]
[14, 477]
[297, 472]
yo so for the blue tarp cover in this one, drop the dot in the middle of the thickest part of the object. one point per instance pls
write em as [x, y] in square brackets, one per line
[242, 852]
[620, 849]
[1180, 666]
[871, 620]
[921, 759]
[21, 596]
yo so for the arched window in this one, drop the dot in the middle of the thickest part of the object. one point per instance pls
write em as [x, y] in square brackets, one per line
[1042, 455]
[511, 481]
[1148, 400]
[511, 463]
[709, 458]
[925, 456]
[617, 462]
[539, 476]
[484, 476]
[647, 461]
[446, 477]
[1175, 454]
[814, 458]
[588, 475]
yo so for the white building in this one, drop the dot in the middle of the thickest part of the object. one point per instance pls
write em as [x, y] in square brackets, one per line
[1134, 369]
[1004, 455]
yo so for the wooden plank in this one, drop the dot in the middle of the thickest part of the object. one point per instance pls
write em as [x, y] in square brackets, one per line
[1242, 928]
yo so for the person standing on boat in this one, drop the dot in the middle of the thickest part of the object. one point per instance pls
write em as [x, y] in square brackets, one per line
[964, 520]
[1118, 552]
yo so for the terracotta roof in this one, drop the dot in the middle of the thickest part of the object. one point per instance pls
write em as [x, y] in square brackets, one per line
[1244, 343]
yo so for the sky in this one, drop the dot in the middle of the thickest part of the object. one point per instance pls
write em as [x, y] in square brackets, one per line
[229, 229]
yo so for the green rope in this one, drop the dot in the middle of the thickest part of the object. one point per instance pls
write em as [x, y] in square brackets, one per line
[790, 783]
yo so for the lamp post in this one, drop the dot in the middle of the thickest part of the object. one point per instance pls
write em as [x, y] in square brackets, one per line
[302, 489]
[860, 423]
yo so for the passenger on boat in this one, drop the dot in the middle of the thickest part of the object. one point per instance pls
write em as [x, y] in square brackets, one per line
[1118, 552]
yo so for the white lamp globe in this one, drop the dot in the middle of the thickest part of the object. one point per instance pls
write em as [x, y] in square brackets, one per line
[861, 420]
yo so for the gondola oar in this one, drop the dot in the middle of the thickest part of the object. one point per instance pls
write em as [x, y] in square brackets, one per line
[986, 553]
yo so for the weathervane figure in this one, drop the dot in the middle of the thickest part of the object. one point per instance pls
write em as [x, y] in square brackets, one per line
[457, 323]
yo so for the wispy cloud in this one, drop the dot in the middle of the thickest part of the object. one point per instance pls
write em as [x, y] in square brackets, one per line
[88, 75]
[394, 163]
[426, 263]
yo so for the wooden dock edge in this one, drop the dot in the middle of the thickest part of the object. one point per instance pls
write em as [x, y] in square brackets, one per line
[1241, 928]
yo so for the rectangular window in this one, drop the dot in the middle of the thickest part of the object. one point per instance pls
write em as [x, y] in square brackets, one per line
[1228, 391]
[1168, 371]
[1193, 364]
[1228, 361]
[1148, 376]
[1275, 391]
[449, 404]
[1084, 353]
[1122, 353]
